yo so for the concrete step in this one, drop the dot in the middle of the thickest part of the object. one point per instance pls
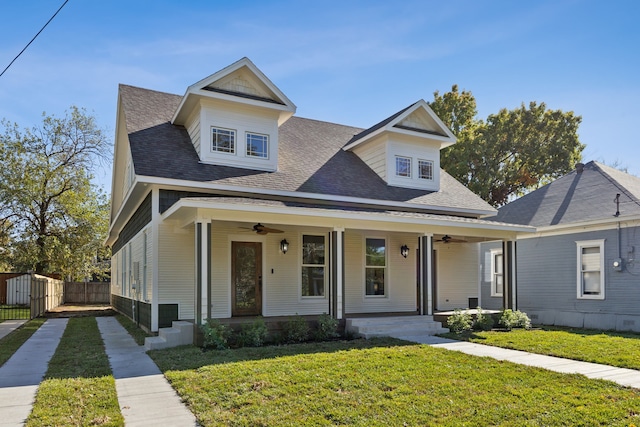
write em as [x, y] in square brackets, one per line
[180, 333]
[394, 326]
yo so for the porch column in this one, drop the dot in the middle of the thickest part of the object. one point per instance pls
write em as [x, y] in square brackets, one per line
[336, 284]
[509, 274]
[203, 271]
[426, 276]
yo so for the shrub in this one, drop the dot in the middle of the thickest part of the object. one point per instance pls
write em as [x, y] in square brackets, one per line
[295, 330]
[459, 321]
[514, 319]
[484, 321]
[327, 328]
[216, 335]
[253, 334]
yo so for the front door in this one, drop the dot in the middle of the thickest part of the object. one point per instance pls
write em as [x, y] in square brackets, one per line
[246, 278]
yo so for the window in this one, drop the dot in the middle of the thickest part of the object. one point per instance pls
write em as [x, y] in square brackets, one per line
[425, 169]
[403, 166]
[497, 276]
[591, 269]
[375, 266]
[257, 145]
[313, 266]
[223, 140]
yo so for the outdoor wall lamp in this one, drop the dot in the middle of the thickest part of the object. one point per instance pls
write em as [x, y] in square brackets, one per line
[284, 246]
[404, 250]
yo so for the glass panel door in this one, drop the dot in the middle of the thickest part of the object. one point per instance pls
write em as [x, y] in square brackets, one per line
[246, 277]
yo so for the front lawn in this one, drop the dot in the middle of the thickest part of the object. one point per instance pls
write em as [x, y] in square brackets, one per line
[610, 348]
[384, 382]
[78, 389]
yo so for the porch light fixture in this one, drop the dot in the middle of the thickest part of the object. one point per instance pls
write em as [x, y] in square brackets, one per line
[284, 246]
[404, 250]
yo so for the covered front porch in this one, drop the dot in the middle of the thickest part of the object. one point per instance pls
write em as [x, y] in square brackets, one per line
[274, 259]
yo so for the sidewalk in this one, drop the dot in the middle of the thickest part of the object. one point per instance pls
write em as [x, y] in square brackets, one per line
[9, 326]
[622, 376]
[23, 372]
[145, 396]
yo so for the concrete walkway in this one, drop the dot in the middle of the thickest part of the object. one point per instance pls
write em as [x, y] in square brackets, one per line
[23, 372]
[622, 376]
[145, 396]
[9, 326]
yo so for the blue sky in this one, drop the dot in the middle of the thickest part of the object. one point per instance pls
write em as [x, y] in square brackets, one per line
[349, 62]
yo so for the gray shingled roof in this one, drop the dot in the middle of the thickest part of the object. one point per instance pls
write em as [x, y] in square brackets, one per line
[576, 197]
[311, 158]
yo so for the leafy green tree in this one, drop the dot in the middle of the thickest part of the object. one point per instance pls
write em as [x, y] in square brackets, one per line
[58, 219]
[512, 152]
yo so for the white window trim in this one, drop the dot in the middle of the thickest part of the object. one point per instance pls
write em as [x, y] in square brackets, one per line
[386, 267]
[585, 244]
[396, 157]
[251, 156]
[495, 252]
[433, 165]
[301, 265]
[235, 141]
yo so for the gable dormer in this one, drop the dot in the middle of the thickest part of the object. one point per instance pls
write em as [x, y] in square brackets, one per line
[232, 117]
[404, 149]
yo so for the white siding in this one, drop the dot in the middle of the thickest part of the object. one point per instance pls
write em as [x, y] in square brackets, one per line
[221, 270]
[374, 155]
[176, 258]
[458, 274]
[401, 280]
[193, 128]
[122, 280]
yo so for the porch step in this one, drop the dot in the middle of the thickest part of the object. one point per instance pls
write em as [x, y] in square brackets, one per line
[180, 333]
[371, 327]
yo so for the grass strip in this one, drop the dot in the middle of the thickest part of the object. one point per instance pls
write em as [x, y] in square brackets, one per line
[382, 383]
[134, 330]
[78, 389]
[609, 348]
[12, 342]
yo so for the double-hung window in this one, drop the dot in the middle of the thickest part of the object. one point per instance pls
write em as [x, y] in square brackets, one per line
[425, 169]
[257, 145]
[590, 269]
[497, 276]
[403, 166]
[223, 140]
[313, 266]
[375, 267]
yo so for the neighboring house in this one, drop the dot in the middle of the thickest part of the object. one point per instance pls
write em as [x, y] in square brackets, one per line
[579, 269]
[224, 205]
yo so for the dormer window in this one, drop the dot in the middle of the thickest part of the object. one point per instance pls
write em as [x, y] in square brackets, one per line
[223, 140]
[257, 145]
[403, 166]
[425, 169]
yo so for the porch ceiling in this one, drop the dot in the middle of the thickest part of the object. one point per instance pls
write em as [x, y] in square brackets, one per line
[188, 210]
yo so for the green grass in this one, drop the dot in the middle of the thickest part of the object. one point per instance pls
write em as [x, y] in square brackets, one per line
[14, 312]
[609, 348]
[384, 383]
[78, 389]
[12, 342]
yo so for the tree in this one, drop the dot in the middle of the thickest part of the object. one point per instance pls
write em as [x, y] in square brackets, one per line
[57, 219]
[512, 152]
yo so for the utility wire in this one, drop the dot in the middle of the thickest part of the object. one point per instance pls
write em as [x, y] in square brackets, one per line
[34, 37]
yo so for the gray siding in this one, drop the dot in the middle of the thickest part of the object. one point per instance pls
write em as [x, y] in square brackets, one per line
[486, 300]
[546, 268]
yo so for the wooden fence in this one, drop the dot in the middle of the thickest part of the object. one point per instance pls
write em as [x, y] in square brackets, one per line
[87, 293]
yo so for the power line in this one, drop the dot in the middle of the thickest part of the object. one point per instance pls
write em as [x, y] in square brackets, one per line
[34, 37]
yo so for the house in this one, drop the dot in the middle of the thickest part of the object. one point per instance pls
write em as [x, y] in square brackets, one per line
[579, 269]
[224, 205]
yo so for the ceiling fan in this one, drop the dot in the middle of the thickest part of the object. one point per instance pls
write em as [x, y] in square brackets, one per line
[261, 229]
[448, 239]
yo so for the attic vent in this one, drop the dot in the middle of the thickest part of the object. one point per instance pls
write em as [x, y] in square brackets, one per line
[579, 167]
